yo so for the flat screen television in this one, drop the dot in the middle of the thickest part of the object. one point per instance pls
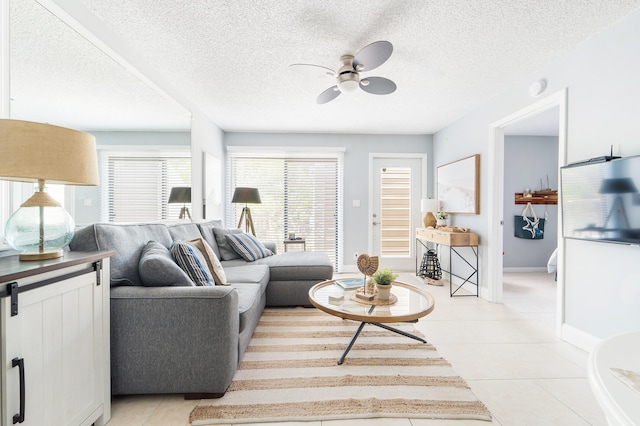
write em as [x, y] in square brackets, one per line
[601, 202]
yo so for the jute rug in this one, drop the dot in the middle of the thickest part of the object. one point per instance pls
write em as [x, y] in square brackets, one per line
[290, 373]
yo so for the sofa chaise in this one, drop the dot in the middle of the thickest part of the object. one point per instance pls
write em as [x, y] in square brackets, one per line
[177, 337]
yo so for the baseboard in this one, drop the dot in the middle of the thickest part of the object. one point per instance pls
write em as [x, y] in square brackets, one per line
[579, 338]
[526, 269]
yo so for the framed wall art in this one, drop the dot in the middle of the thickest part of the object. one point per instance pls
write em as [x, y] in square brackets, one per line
[459, 186]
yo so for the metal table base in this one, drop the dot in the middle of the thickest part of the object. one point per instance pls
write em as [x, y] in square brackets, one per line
[386, 327]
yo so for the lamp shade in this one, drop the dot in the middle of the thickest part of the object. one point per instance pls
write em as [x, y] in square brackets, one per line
[36, 152]
[32, 152]
[617, 186]
[246, 195]
[428, 205]
[180, 194]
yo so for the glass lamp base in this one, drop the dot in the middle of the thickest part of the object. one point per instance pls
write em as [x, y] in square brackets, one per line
[51, 254]
[40, 228]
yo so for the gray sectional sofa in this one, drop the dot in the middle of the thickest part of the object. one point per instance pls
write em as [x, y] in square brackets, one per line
[190, 339]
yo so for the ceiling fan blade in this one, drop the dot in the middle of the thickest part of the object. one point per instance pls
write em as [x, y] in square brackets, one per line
[328, 95]
[378, 85]
[372, 55]
[312, 70]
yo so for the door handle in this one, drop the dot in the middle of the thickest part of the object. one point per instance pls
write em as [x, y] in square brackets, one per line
[19, 362]
[376, 223]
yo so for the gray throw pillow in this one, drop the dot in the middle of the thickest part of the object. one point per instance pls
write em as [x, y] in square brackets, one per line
[158, 269]
[226, 251]
[206, 229]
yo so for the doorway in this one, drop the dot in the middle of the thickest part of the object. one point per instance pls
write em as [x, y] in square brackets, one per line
[394, 210]
[531, 165]
[494, 290]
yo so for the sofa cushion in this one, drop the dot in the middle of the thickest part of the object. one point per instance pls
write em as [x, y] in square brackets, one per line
[250, 282]
[248, 246]
[192, 262]
[248, 296]
[226, 251]
[215, 267]
[206, 230]
[248, 273]
[158, 269]
[183, 231]
[298, 265]
[127, 240]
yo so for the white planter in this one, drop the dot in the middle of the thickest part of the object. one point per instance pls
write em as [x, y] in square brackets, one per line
[384, 291]
[442, 222]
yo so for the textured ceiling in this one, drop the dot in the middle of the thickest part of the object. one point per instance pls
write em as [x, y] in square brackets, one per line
[231, 60]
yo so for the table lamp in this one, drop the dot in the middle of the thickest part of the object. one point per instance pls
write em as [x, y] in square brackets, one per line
[181, 194]
[617, 186]
[41, 153]
[246, 195]
[429, 206]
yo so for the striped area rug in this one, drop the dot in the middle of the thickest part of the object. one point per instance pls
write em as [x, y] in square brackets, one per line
[290, 373]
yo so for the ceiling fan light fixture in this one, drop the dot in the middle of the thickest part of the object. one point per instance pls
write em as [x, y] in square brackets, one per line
[348, 86]
[348, 81]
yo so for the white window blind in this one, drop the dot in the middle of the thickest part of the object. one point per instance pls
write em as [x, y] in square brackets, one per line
[299, 195]
[138, 188]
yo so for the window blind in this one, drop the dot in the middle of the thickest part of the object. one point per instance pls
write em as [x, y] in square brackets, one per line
[138, 188]
[395, 192]
[299, 195]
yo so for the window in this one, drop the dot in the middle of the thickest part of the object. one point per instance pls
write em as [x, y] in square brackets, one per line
[137, 187]
[300, 194]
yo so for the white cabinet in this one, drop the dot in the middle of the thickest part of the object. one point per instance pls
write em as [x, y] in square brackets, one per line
[54, 324]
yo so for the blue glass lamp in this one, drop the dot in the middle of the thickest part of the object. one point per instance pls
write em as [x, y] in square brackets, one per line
[41, 153]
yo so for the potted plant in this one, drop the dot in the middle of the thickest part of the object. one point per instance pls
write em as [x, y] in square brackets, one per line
[383, 280]
[441, 218]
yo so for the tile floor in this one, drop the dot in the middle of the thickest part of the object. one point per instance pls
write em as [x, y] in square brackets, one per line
[508, 353]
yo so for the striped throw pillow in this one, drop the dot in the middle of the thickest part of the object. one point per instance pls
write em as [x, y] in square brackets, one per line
[214, 264]
[192, 262]
[248, 246]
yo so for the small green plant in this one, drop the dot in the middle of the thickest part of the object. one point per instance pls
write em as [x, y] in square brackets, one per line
[384, 276]
[442, 215]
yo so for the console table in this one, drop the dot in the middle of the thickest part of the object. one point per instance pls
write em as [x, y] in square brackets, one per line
[458, 243]
[54, 322]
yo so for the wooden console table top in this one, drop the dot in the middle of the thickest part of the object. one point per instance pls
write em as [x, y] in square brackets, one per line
[456, 239]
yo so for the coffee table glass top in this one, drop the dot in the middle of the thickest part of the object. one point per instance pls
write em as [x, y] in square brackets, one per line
[413, 303]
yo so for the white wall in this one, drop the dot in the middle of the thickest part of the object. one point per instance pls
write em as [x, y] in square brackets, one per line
[205, 137]
[527, 159]
[356, 170]
[602, 291]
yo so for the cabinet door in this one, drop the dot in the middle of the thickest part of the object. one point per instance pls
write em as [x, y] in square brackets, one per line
[58, 334]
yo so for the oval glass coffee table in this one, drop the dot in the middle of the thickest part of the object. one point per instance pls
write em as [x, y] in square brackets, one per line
[412, 303]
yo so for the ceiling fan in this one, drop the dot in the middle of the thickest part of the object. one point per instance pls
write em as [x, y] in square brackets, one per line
[348, 77]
